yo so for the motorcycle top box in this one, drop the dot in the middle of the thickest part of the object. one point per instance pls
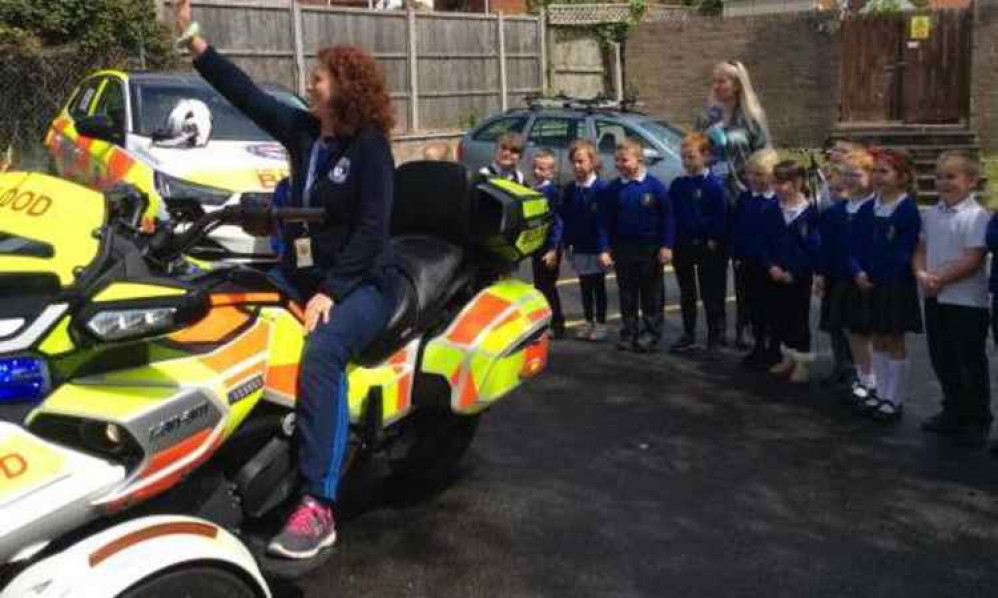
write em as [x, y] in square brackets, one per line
[511, 221]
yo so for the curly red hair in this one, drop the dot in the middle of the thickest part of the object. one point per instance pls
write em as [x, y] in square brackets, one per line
[360, 96]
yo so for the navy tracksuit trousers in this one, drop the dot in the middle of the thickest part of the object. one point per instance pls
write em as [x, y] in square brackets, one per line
[322, 417]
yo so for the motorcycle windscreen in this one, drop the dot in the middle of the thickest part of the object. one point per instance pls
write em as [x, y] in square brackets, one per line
[47, 226]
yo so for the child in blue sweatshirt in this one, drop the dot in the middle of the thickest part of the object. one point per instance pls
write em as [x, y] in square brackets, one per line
[579, 212]
[505, 165]
[698, 202]
[637, 233]
[829, 274]
[547, 261]
[992, 241]
[849, 303]
[887, 231]
[750, 276]
[789, 249]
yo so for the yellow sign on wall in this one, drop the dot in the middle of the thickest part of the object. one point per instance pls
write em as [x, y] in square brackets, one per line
[920, 27]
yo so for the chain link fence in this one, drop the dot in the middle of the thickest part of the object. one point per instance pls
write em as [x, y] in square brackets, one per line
[35, 87]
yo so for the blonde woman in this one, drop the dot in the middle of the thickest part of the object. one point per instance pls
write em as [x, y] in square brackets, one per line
[735, 123]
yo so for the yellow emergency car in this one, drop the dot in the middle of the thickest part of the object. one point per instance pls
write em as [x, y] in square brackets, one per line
[174, 137]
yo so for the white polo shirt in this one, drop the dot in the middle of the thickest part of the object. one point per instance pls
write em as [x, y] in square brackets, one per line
[947, 231]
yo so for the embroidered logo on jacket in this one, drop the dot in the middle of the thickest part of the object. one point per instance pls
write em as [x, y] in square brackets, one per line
[341, 171]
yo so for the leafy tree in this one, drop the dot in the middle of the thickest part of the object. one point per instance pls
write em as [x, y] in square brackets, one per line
[93, 26]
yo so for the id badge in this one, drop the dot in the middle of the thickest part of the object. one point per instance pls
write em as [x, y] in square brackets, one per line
[303, 253]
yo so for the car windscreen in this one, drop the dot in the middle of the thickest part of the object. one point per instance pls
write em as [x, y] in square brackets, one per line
[152, 103]
[665, 132]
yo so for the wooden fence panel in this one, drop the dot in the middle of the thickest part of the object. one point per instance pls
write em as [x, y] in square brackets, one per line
[457, 61]
[458, 65]
[257, 38]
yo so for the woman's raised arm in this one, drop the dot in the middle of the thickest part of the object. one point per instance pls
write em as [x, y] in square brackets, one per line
[270, 114]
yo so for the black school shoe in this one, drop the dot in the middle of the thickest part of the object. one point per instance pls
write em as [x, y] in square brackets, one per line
[752, 360]
[943, 424]
[685, 343]
[839, 377]
[973, 436]
[646, 343]
[626, 341]
[887, 412]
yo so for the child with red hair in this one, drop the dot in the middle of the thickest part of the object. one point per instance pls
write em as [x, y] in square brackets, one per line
[887, 235]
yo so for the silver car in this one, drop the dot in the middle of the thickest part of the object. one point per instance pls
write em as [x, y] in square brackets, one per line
[555, 128]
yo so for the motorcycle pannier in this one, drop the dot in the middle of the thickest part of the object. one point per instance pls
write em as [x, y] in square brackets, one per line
[511, 221]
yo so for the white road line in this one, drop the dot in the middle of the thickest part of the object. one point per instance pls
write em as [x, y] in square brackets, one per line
[668, 309]
[611, 276]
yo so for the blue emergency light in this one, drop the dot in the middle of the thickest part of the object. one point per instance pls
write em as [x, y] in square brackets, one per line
[23, 380]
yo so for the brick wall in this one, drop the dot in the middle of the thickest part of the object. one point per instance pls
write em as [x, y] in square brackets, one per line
[793, 61]
[984, 74]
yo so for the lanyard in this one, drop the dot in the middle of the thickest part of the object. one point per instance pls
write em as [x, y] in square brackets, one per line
[319, 149]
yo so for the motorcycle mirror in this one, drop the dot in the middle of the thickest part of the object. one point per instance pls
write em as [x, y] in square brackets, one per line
[99, 126]
[127, 203]
[255, 215]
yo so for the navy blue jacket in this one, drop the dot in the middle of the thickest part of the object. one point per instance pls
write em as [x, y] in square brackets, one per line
[746, 225]
[794, 247]
[553, 195]
[637, 212]
[836, 259]
[580, 212]
[351, 247]
[992, 241]
[700, 208]
[884, 246]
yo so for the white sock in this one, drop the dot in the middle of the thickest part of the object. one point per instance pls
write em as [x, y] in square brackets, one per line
[880, 374]
[866, 378]
[899, 380]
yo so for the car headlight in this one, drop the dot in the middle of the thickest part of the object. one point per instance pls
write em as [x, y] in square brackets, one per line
[173, 188]
[23, 379]
[118, 324]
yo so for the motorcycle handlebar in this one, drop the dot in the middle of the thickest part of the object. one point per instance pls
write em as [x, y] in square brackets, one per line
[298, 214]
[235, 215]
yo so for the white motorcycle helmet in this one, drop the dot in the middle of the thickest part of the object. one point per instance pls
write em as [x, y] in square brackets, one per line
[188, 124]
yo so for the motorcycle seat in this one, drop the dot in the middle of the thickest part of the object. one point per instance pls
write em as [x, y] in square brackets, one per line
[427, 273]
[430, 227]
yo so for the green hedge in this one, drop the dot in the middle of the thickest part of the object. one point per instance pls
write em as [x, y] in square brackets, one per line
[92, 26]
[48, 46]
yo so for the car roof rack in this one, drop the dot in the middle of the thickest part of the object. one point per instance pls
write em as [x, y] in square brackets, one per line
[593, 104]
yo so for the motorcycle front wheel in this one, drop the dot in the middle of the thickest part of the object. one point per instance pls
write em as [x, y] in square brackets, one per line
[197, 581]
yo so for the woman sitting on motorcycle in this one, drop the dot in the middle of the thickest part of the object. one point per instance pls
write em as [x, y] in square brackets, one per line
[341, 160]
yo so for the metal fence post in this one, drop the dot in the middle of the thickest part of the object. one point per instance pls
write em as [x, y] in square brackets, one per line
[299, 49]
[618, 72]
[501, 24]
[413, 70]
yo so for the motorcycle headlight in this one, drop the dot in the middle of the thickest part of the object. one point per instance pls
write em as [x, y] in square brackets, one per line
[118, 324]
[173, 188]
[23, 379]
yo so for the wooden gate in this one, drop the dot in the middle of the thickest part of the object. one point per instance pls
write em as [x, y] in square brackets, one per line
[907, 67]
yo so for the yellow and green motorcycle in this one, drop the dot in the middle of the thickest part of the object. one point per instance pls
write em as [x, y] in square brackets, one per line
[150, 400]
